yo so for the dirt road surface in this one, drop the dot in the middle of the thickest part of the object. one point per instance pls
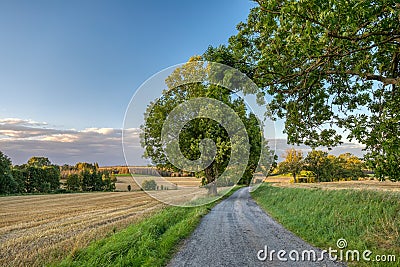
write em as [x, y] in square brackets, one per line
[237, 232]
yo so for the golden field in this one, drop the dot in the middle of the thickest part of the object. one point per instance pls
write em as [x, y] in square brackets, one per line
[362, 184]
[40, 229]
[124, 181]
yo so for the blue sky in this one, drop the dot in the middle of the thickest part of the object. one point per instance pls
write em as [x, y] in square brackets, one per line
[76, 64]
[68, 69]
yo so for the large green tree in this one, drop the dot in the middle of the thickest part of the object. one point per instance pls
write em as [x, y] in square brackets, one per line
[202, 129]
[329, 66]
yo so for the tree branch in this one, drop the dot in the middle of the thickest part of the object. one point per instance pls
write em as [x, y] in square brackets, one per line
[364, 36]
[368, 76]
[259, 2]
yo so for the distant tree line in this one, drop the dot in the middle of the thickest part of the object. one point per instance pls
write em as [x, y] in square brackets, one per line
[39, 175]
[87, 177]
[322, 166]
[144, 170]
[116, 169]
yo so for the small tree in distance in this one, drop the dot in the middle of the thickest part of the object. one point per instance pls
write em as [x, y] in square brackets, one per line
[318, 162]
[149, 185]
[293, 163]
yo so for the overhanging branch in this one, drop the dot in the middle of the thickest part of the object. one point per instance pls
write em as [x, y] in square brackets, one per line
[368, 76]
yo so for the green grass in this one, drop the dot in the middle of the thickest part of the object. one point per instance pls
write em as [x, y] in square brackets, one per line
[151, 242]
[131, 174]
[122, 175]
[366, 219]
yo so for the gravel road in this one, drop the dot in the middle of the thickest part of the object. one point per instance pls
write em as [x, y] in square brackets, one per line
[235, 231]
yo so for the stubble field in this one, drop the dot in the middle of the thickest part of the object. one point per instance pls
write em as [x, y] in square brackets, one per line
[40, 229]
[366, 184]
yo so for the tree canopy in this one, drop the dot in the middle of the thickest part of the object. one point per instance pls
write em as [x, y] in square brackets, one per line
[317, 161]
[39, 162]
[332, 69]
[195, 114]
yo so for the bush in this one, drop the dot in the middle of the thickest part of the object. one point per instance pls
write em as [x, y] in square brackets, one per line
[149, 185]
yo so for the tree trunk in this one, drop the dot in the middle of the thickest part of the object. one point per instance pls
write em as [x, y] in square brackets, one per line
[294, 177]
[211, 184]
[212, 189]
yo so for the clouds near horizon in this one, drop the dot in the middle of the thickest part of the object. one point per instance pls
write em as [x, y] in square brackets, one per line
[21, 139]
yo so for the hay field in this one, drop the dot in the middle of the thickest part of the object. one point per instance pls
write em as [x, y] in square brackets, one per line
[168, 182]
[42, 228]
[171, 190]
[365, 184]
[356, 185]
[123, 182]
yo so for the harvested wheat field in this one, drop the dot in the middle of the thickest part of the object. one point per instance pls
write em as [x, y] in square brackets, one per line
[38, 229]
[167, 182]
[123, 182]
[357, 185]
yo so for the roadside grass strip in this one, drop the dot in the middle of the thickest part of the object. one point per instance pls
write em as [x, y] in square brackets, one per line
[366, 219]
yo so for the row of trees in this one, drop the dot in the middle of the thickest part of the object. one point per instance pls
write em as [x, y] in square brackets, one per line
[323, 166]
[116, 169]
[39, 175]
[88, 177]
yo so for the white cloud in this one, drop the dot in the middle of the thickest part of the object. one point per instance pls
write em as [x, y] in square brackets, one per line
[22, 139]
[17, 129]
[63, 138]
[12, 121]
[104, 131]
